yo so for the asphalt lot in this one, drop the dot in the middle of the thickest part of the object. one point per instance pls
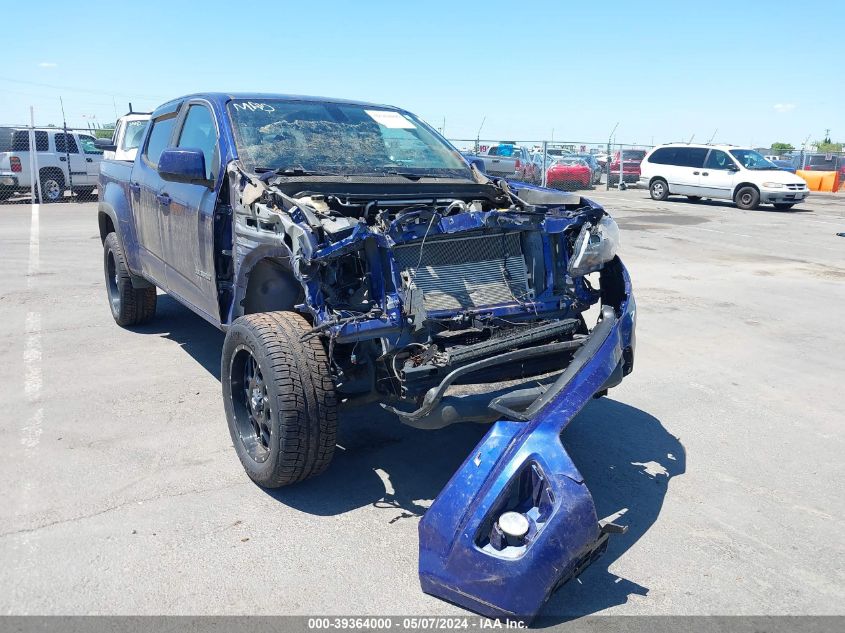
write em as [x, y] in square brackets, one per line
[122, 493]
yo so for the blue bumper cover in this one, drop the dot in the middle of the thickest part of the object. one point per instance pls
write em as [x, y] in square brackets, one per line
[523, 467]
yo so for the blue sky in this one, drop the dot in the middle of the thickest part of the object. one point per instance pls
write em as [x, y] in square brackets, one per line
[664, 70]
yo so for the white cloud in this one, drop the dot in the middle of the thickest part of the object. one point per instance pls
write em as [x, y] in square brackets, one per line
[48, 64]
[784, 107]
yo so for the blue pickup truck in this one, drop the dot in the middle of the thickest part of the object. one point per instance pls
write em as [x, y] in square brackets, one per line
[352, 255]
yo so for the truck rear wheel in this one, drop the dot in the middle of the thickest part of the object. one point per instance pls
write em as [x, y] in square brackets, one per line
[129, 305]
[52, 186]
[279, 398]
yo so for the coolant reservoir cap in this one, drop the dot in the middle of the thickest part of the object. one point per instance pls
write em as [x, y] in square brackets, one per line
[513, 524]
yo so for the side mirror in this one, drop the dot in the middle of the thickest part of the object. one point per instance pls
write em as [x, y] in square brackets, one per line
[105, 144]
[185, 165]
[732, 167]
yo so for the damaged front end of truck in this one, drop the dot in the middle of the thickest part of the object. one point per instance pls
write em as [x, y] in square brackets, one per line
[414, 294]
[420, 283]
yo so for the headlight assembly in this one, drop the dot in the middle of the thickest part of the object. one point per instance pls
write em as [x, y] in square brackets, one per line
[773, 185]
[594, 246]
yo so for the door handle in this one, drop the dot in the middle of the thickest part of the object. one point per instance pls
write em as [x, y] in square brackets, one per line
[704, 173]
[89, 160]
[134, 187]
[63, 158]
[164, 199]
[695, 173]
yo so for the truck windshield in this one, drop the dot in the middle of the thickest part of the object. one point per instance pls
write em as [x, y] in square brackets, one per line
[313, 137]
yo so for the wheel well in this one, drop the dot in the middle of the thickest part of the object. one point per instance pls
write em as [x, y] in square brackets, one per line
[52, 171]
[657, 178]
[744, 184]
[106, 225]
[271, 286]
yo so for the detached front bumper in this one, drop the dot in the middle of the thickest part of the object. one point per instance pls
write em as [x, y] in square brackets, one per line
[521, 467]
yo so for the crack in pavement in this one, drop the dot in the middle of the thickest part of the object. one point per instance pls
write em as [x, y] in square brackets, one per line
[118, 507]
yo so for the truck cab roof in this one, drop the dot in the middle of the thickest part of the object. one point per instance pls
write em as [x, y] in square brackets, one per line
[220, 99]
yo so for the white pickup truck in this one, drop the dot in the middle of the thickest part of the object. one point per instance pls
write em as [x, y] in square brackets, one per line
[128, 132]
[66, 160]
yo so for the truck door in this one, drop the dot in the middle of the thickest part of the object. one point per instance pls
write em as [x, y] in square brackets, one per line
[188, 222]
[93, 156]
[72, 161]
[145, 188]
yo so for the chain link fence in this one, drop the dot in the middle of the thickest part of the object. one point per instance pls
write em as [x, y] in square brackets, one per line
[49, 163]
[65, 164]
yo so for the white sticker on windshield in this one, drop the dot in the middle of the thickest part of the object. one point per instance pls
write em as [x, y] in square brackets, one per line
[391, 119]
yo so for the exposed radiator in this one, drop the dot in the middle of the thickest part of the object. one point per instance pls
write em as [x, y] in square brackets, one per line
[466, 272]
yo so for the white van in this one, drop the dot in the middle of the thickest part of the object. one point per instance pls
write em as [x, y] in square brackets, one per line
[720, 172]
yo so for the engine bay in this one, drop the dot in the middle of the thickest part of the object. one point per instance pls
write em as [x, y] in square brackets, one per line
[407, 284]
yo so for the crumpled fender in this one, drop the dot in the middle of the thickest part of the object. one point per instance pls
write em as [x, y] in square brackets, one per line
[521, 466]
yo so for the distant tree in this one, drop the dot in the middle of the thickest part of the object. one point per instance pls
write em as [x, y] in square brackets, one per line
[782, 148]
[827, 146]
[103, 133]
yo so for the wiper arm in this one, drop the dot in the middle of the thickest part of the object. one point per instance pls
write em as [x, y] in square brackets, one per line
[415, 176]
[292, 171]
[405, 174]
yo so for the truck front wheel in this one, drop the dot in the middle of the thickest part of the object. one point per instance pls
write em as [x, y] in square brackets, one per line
[279, 398]
[129, 305]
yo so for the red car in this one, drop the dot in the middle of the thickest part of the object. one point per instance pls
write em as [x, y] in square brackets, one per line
[569, 173]
[631, 159]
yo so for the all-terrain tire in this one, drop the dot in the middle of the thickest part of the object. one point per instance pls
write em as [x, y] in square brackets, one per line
[129, 305]
[747, 198]
[282, 413]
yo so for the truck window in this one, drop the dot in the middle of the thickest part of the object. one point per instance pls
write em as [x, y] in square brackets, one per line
[159, 138]
[66, 144]
[134, 134]
[20, 141]
[198, 132]
[88, 146]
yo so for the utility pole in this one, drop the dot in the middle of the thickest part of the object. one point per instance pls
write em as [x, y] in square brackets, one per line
[35, 179]
[803, 149]
[67, 149]
[607, 162]
[478, 135]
